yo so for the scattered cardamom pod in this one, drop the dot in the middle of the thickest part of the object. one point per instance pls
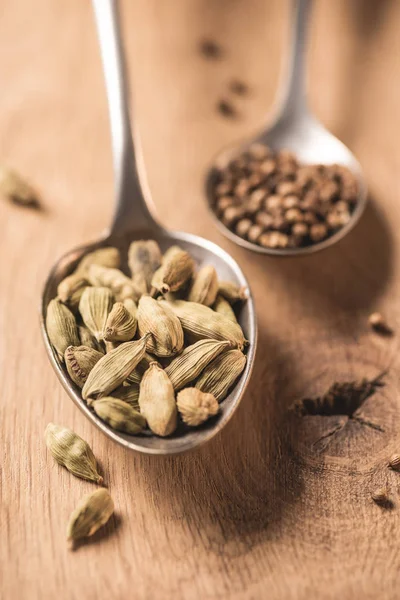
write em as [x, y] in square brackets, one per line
[166, 331]
[176, 269]
[106, 257]
[95, 306]
[119, 415]
[381, 496]
[231, 292]
[195, 406]
[131, 306]
[111, 346]
[121, 286]
[129, 394]
[394, 462]
[92, 512]
[137, 373]
[70, 290]
[223, 307]
[157, 401]
[120, 325]
[17, 190]
[220, 375]
[204, 287]
[144, 258]
[61, 327]
[72, 452]
[113, 368]
[88, 339]
[199, 321]
[188, 365]
[379, 324]
[79, 361]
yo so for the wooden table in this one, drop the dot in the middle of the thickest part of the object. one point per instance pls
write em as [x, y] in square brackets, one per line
[268, 509]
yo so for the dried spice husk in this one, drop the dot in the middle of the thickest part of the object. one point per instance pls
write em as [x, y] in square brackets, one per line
[129, 394]
[195, 406]
[113, 368]
[71, 288]
[220, 375]
[88, 339]
[92, 512]
[157, 401]
[193, 360]
[144, 258]
[137, 373]
[61, 327]
[109, 346]
[166, 331]
[120, 325]
[119, 415]
[72, 452]
[176, 269]
[394, 462]
[131, 306]
[106, 257]
[121, 286]
[204, 287]
[231, 292]
[17, 189]
[79, 361]
[199, 321]
[223, 307]
[95, 306]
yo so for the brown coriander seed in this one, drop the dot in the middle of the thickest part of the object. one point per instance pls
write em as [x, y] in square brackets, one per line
[273, 202]
[242, 188]
[264, 219]
[254, 180]
[287, 188]
[310, 218]
[223, 188]
[341, 206]
[259, 151]
[285, 155]
[280, 224]
[300, 230]
[267, 167]
[254, 233]
[318, 232]
[290, 201]
[274, 239]
[243, 226]
[226, 108]
[258, 196]
[231, 215]
[379, 324]
[336, 219]
[328, 191]
[293, 215]
[224, 202]
[310, 200]
[394, 462]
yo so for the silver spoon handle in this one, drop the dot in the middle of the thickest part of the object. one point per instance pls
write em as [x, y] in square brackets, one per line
[293, 96]
[131, 208]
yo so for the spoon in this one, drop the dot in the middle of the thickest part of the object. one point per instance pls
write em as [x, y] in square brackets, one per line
[295, 128]
[133, 220]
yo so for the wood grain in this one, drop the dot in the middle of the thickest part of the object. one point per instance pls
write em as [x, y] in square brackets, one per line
[264, 510]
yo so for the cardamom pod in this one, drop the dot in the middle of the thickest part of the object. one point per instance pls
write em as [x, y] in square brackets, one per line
[113, 368]
[131, 306]
[120, 325]
[137, 373]
[121, 286]
[176, 269]
[111, 346]
[199, 321]
[70, 290]
[144, 258]
[92, 512]
[157, 401]
[231, 292]
[16, 189]
[220, 375]
[223, 307]
[195, 406]
[94, 306]
[106, 257]
[204, 287]
[193, 360]
[129, 394]
[119, 415]
[61, 327]
[166, 331]
[72, 452]
[87, 339]
[79, 361]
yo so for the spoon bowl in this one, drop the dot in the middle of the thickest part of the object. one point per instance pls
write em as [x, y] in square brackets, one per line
[134, 220]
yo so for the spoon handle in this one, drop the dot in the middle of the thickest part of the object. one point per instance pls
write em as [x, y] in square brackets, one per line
[293, 100]
[131, 209]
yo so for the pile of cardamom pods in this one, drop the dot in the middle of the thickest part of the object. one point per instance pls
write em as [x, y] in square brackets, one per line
[159, 349]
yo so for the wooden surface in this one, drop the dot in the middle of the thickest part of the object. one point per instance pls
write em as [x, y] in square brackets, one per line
[266, 509]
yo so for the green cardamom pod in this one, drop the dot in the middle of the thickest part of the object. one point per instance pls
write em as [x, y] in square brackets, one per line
[61, 327]
[157, 401]
[223, 307]
[72, 452]
[195, 406]
[144, 258]
[176, 269]
[138, 371]
[88, 339]
[120, 325]
[129, 394]
[204, 287]
[166, 331]
[220, 375]
[95, 306]
[79, 361]
[70, 290]
[119, 415]
[121, 286]
[231, 292]
[106, 257]
[92, 512]
[131, 306]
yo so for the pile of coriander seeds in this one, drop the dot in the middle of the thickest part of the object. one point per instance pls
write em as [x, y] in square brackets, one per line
[269, 199]
[153, 351]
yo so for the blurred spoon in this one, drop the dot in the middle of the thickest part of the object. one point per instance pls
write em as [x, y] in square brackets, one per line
[133, 219]
[295, 128]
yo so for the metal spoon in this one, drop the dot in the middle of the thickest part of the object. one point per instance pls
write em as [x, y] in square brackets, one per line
[295, 128]
[133, 220]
